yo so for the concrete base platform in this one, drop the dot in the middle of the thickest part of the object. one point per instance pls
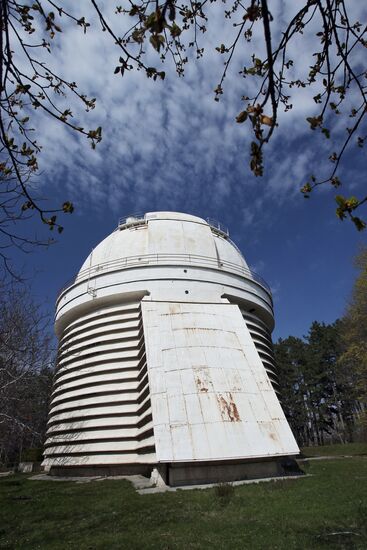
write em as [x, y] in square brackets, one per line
[154, 490]
[102, 470]
[188, 473]
[144, 486]
[222, 472]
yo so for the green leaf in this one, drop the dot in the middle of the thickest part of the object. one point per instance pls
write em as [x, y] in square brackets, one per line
[306, 189]
[242, 117]
[157, 40]
[68, 207]
[314, 121]
[138, 36]
[175, 30]
[360, 224]
[340, 200]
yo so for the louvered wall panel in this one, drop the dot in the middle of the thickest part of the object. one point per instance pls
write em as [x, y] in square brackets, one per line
[264, 345]
[100, 407]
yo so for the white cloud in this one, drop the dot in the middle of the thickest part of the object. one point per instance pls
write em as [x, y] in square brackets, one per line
[171, 139]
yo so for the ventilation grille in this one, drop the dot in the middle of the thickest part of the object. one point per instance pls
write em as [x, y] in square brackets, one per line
[262, 339]
[100, 409]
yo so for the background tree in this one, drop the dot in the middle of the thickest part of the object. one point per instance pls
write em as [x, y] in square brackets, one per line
[25, 373]
[290, 355]
[333, 392]
[354, 334]
[336, 79]
[318, 393]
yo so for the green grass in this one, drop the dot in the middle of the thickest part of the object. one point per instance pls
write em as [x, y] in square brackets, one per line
[349, 449]
[109, 514]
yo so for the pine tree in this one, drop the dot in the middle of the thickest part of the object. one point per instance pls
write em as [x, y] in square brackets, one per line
[317, 392]
[290, 356]
[332, 389]
[354, 359]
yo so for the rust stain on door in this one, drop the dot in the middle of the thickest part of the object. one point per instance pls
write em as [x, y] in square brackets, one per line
[200, 385]
[202, 379]
[228, 408]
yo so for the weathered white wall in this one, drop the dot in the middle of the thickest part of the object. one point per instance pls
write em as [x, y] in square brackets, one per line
[211, 396]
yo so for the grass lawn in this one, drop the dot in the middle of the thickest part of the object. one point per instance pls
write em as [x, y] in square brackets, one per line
[336, 450]
[109, 514]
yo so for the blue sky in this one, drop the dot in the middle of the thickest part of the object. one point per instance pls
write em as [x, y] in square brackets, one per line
[299, 247]
[169, 146]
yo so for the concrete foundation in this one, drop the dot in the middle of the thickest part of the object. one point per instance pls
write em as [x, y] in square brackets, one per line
[223, 472]
[102, 470]
[187, 473]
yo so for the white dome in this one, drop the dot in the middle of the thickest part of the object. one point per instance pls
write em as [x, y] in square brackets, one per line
[170, 256]
[162, 233]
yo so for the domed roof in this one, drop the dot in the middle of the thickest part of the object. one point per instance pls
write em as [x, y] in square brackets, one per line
[166, 233]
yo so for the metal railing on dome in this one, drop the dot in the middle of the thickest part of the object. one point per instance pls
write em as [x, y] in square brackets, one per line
[215, 224]
[132, 219]
[168, 260]
[140, 218]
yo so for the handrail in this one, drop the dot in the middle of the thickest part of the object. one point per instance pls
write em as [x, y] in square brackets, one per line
[215, 224]
[165, 259]
[140, 218]
[134, 218]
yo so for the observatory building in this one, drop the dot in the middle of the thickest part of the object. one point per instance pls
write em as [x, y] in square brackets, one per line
[165, 360]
